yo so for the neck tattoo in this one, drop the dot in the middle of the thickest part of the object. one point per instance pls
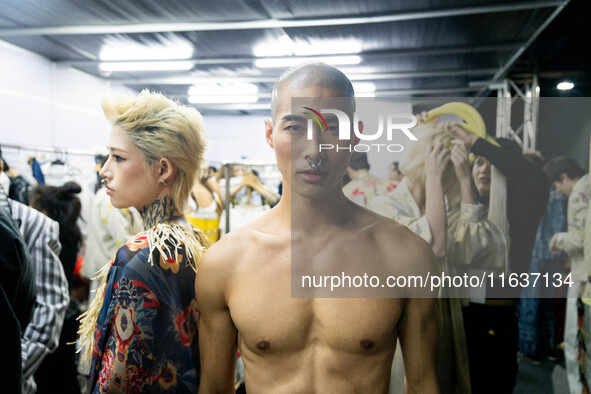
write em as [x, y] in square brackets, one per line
[161, 210]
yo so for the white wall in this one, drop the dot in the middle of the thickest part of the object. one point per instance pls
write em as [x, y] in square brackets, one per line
[237, 138]
[46, 105]
[42, 104]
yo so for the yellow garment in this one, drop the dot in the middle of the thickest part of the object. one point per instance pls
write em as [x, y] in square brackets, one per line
[210, 227]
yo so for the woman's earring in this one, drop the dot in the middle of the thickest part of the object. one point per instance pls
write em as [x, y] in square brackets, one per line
[164, 183]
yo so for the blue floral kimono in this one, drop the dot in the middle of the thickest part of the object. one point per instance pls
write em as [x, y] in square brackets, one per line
[146, 330]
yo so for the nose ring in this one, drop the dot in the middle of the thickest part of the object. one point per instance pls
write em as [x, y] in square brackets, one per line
[314, 165]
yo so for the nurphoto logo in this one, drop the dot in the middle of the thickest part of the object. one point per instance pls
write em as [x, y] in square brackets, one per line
[340, 121]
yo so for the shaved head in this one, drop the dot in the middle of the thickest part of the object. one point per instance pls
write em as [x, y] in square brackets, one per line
[308, 74]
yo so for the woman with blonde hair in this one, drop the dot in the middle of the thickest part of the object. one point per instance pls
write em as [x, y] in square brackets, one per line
[437, 201]
[140, 332]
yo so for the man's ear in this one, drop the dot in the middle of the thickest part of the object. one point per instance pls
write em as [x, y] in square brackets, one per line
[269, 133]
[360, 128]
[166, 170]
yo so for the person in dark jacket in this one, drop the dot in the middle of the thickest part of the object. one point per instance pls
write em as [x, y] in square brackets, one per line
[17, 298]
[491, 327]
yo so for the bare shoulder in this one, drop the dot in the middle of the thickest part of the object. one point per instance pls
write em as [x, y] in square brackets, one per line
[223, 256]
[395, 239]
[235, 249]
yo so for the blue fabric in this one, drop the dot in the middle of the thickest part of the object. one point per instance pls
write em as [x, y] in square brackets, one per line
[37, 173]
[536, 315]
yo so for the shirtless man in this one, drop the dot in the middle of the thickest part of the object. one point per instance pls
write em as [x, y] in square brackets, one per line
[244, 284]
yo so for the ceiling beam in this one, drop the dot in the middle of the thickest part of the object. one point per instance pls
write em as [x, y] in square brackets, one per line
[426, 91]
[379, 95]
[129, 28]
[393, 52]
[272, 79]
[502, 72]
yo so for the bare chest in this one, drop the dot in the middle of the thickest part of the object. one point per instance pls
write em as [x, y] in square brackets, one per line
[270, 321]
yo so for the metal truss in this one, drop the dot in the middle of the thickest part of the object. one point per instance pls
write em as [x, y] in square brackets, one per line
[508, 93]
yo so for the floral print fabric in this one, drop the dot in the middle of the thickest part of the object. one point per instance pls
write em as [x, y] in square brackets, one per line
[146, 338]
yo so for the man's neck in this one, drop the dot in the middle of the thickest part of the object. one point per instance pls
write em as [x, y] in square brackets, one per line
[308, 214]
[160, 210]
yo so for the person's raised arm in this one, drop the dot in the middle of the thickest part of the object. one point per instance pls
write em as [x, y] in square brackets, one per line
[217, 333]
[437, 159]
[512, 165]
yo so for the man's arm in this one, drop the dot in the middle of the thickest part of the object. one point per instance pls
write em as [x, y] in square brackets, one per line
[217, 333]
[525, 175]
[417, 329]
[529, 178]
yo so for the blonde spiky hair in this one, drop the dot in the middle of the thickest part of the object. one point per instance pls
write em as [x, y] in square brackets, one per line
[162, 128]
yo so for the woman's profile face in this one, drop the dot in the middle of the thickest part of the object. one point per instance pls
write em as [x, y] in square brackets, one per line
[130, 182]
[481, 175]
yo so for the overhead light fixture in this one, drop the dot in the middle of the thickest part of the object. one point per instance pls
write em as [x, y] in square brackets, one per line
[166, 48]
[207, 99]
[364, 87]
[223, 89]
[365, 94]
[282, 46]
[147, 66]
[165, 53]
[565, 85]
[283, 62]
[286, 46]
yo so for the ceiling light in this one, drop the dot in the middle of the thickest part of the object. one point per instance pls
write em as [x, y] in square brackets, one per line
[285, 46]
[284, 62]
[365, 94]
[166, 48]
[364, 87]
[223, 89]
[565, 86]
[223, 99]
[146, 66]
[282, 46]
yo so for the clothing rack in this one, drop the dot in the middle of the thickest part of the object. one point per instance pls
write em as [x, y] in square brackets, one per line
[53, 149]
[226, 167]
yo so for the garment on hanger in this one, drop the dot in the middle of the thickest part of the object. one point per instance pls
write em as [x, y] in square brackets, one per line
[37, 173]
